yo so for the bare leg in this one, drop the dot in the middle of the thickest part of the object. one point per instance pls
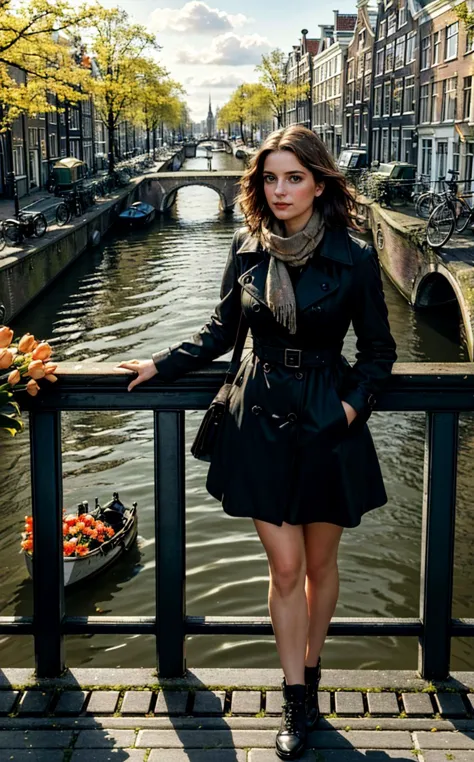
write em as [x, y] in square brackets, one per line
[287, 603]
[322, 583]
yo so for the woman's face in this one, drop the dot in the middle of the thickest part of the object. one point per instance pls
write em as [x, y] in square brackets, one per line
[290, 189]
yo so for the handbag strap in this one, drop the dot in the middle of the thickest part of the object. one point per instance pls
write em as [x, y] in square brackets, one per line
[242, 331]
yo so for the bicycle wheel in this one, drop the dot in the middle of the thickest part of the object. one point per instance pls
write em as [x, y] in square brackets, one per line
[426, 203]
[3, 242]
[440, 225]
[12, 232]
[463, 214]
[40, 225]
[63, 214]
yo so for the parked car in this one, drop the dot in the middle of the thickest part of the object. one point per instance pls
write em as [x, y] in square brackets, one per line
[392, 183]
[395, 170]
[352, 158]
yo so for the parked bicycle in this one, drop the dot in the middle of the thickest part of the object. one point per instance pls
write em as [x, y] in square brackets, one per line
[428, 201]
[15, 230]
[445, 219]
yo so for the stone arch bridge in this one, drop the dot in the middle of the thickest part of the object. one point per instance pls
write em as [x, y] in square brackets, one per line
[161, 189]
[191, 148]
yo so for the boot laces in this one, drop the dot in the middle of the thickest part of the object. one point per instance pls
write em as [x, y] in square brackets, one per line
[290, 715]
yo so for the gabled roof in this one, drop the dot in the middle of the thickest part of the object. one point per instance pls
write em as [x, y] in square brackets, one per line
[312, 46]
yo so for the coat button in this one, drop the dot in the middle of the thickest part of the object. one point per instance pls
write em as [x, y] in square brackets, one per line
[316, 308]
[248, 279]
[325, 286]
[371, 400]
[299, 375]
[292, 417]
[267, 367]
[256, 410]
[256, 307]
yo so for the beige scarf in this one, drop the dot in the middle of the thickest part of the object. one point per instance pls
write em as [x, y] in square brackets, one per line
[293, 251]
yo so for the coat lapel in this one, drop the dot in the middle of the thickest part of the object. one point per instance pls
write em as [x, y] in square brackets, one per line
[315, 283]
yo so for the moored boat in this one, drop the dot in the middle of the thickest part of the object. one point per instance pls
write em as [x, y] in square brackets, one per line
[115, 515]
[137, 214]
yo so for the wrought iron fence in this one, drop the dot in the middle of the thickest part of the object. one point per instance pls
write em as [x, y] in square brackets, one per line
[442, 391]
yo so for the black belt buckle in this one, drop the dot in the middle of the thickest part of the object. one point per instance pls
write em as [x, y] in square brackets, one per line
[293, 358]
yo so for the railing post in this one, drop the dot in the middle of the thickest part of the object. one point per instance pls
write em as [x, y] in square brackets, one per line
[48, 571]
[437, 546]
[170, 542]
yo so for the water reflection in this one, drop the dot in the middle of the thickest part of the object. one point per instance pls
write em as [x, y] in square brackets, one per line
[141, 292]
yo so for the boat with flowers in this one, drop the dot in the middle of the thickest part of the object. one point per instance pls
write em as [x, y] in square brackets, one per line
[92, 540]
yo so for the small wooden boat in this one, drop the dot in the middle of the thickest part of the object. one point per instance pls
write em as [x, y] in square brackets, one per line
[138, 214]
[124, 523]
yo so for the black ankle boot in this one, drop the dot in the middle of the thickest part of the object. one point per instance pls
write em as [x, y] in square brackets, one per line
[291, 738]
[312, 676]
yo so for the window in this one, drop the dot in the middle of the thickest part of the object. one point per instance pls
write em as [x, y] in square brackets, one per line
[18, 157]
[397, 96]
[469, 165]
[376, 143]
[52, 117]
[402, 13]
[386, 98]
[358, 90]
[350, 70]
[384, 156]
[367, 88]
[448, 108]
[436, 48]
[434, 102]
[368, 63]
[470, 41]
[361, 40]
[378, 100]
[441, 158]
[426, 156]
[409, 95]
[379, 61]
[426, 52]
[382, 30]
[53, 146]
[360, 66]
[395, 144]
[411, 47]
[392, 24]
[350, 93]
[365, 127]
[400, 52]
[452, 36]
[356, 128]
[425, 103]
[456, 155]
[407, 144]
[33, 137]
[466, 108]
[389, 57]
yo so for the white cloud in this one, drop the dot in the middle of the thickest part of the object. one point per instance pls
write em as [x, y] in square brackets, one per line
[227, 50]
[195, 17]
[222, 80]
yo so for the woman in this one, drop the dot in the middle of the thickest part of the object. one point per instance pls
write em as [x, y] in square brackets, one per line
[295, 453]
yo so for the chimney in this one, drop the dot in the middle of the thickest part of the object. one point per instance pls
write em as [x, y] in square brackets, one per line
[304, 48]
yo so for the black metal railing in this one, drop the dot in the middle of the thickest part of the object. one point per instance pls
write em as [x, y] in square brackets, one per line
[442, 391]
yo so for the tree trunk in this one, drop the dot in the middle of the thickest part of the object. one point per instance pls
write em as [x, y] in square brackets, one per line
[154, 143]
[242, 132]
[148, 140]
[111, 133]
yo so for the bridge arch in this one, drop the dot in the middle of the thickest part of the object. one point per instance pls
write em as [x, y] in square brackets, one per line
[224, 141]
[438, 289]
[169, 198]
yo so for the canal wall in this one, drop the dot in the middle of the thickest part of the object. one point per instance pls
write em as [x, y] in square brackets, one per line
[29, 270]
[428, 279]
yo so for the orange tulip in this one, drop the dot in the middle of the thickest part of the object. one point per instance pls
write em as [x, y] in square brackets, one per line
[50, 367]
[36, 369]
[14, 377]
[27, 343]
[51, 377]
[42, 351]
[6, 336]
[32, 387]
[6, 358]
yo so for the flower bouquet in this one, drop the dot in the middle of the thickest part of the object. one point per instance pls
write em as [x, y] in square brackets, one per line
[21, 358]
[81, 534]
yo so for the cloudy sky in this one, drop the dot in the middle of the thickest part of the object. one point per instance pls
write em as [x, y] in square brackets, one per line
[213, 46]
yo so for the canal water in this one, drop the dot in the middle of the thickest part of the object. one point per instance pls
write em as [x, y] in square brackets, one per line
[136, 294]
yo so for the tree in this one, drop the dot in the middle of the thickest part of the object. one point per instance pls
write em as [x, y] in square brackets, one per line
[37, 56]
[118, 48]
[273, 78]
[248, 105]
[158, 100]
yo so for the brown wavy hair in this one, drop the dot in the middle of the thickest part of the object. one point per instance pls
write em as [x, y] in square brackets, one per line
[336, 202]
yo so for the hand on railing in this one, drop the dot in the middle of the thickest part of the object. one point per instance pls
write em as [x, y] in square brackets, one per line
[146, 369]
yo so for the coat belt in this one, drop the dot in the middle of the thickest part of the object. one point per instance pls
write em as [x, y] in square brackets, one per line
[297, 358]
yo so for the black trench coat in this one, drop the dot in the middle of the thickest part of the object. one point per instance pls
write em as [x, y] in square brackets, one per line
[286, 452]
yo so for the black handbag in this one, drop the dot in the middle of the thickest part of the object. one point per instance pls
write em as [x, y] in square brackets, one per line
[205, 439]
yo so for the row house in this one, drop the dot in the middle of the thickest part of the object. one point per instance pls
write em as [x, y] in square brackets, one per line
[328, 80]
[358, 78]
[446, 107]
[299, 72]
[395, 92]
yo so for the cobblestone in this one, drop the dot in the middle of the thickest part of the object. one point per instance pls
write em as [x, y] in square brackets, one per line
[71, 702]
[136, 702]
[450, 705]
[102, 702]
[171, 702]
[209, 702]
[348, 703]
[384, 704]
[34, 702]
[100, 739]
[245, 702]
[417, 704]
